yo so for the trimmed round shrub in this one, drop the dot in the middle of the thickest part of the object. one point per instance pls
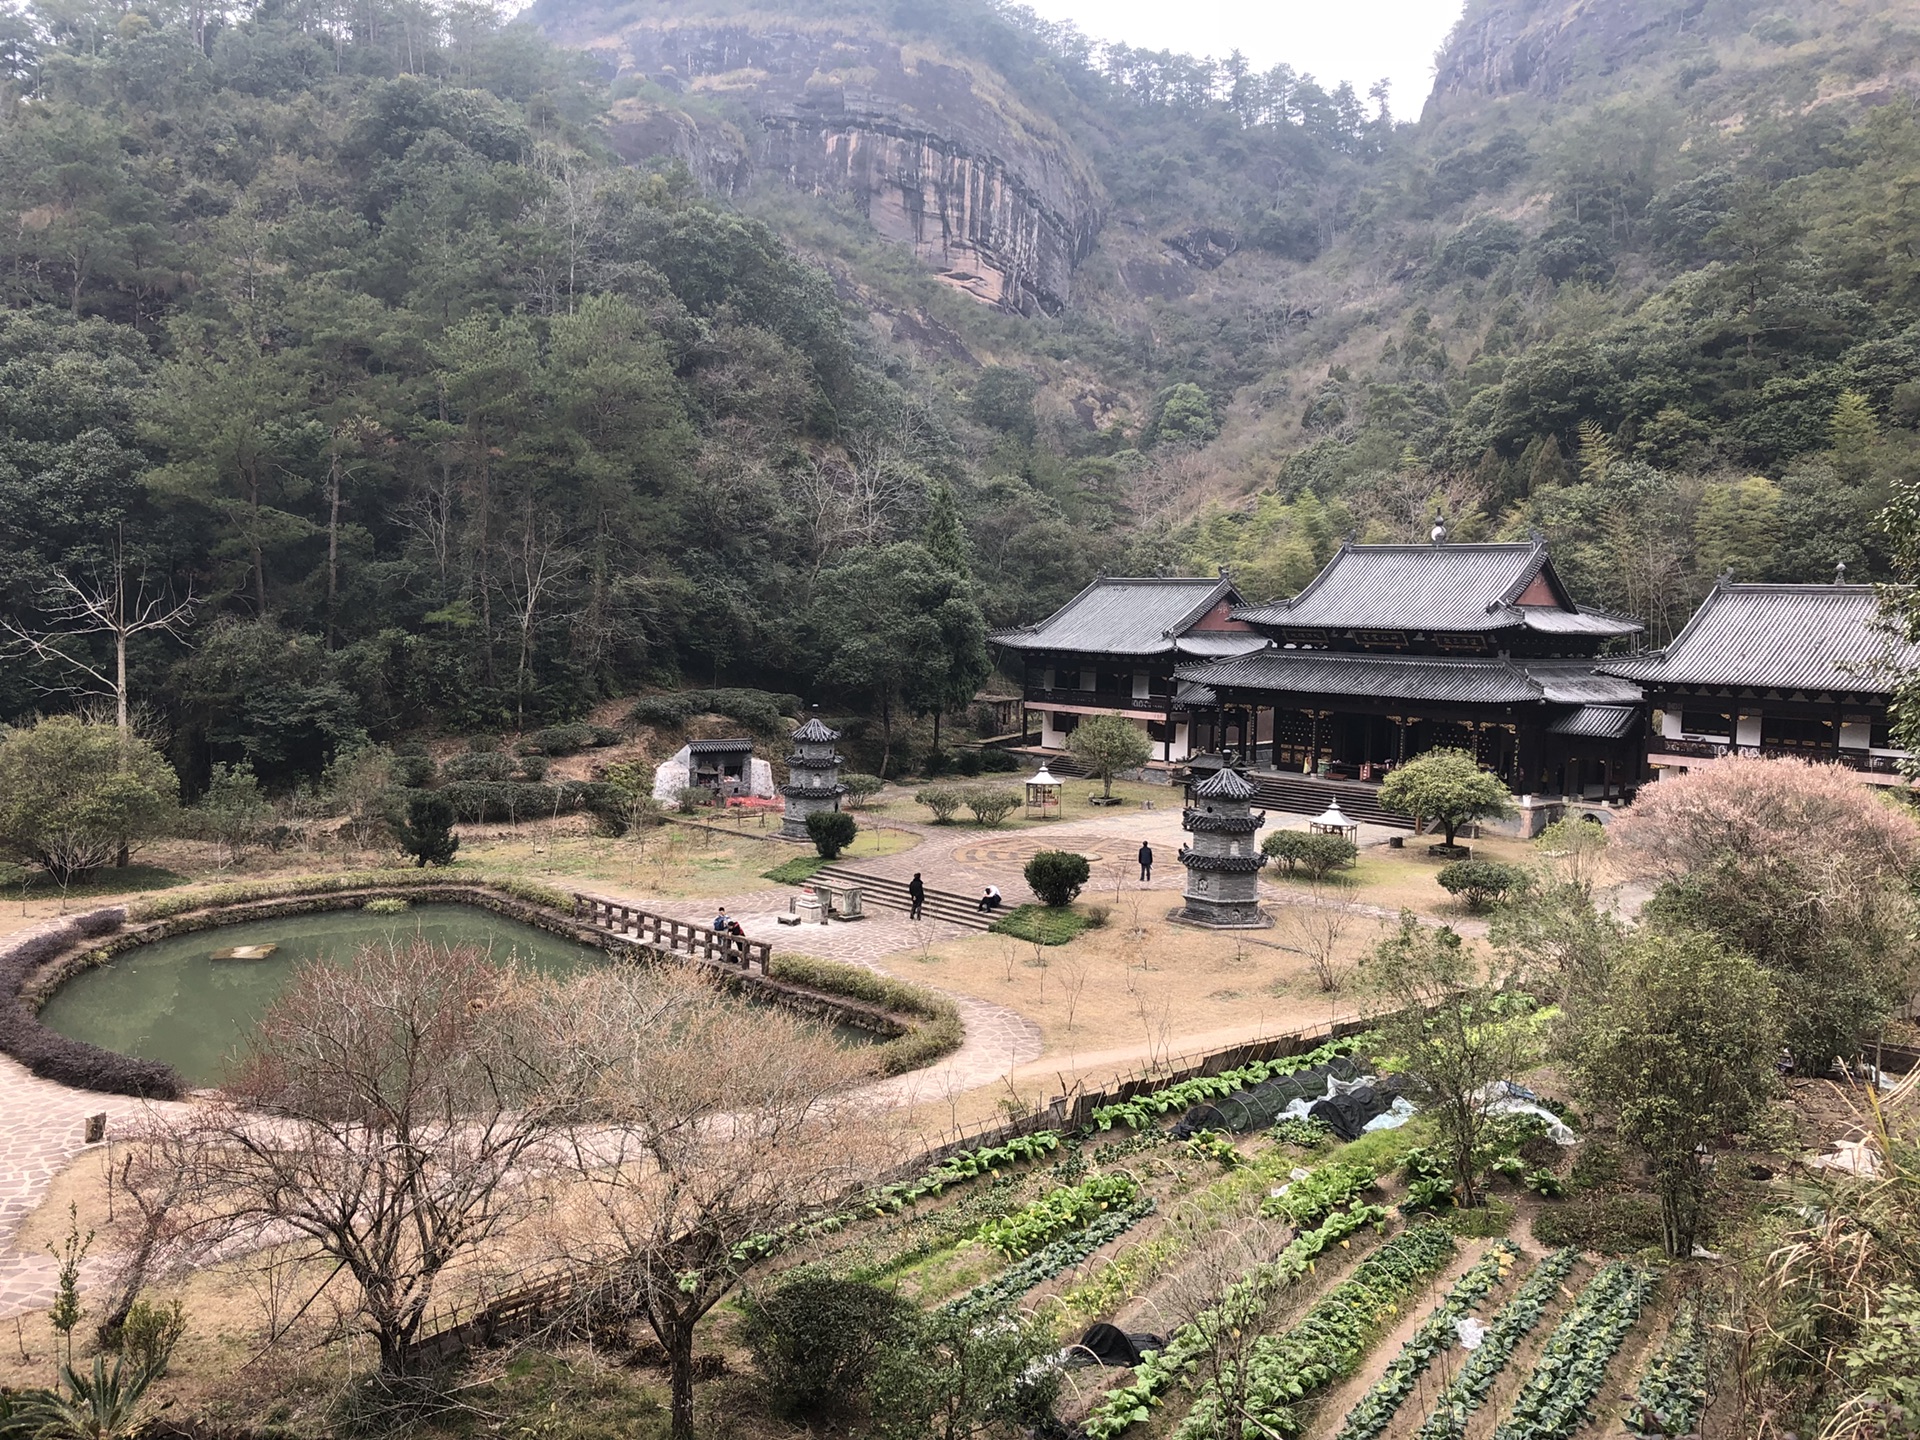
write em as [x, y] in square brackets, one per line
[1316, 856]
[831, 832]
[943, 800]
[991, 804]
[815, 1341]
[1482, 883]
[480, 765]
[414, 770]
[999, 762]
[1057, 875]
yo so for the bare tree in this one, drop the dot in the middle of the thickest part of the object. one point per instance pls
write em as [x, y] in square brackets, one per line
[699, 1124]
[1319, 924]
[536, 564]
[374, 1121]
[102, 607]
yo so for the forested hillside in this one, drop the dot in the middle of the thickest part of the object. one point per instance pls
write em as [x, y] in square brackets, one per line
[463, 378]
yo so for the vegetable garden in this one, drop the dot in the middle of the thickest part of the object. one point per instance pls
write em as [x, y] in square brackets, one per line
[1333, 1244]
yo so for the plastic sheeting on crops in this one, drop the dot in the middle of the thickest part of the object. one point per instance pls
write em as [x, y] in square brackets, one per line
[1336, 1093]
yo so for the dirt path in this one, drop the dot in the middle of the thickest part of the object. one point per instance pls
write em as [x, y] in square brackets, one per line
[1519, 1367]
[1331, 1412]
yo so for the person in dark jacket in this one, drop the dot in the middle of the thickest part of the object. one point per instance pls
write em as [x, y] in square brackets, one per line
[1146, 862]
[917, 894]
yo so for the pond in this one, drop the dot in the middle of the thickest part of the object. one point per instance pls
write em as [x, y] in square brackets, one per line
[172, 1001]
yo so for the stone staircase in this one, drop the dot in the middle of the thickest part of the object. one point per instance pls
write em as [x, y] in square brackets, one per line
[1303, 795]
[891, 894]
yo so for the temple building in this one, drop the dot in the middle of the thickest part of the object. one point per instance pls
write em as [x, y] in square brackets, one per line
[1112, 650]
[1394, 650]
[1804, 670]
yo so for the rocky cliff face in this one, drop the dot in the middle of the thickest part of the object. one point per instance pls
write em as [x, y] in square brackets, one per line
[1502, 47]
[994, 198]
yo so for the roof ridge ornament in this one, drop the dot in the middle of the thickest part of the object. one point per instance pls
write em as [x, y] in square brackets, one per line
[1440, 527]
[1840, 572]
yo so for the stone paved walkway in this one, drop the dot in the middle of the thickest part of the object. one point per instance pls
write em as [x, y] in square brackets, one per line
[998, 1040]
[42, 1130]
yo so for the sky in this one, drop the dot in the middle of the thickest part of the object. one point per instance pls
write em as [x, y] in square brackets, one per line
[1333, 40]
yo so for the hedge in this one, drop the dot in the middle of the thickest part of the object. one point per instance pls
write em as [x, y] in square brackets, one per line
[488, 801]
[942, 1033]
[758, 708]
[53, 1056]
[161, 907]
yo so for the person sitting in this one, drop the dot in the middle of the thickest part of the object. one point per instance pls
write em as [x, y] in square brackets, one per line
[990, 901]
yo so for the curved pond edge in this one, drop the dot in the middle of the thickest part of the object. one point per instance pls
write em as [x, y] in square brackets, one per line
[919, 1025]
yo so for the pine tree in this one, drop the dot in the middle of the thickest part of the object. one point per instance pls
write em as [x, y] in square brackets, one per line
[1854, 433]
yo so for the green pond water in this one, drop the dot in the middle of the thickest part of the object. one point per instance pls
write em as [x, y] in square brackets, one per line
[172, 1001]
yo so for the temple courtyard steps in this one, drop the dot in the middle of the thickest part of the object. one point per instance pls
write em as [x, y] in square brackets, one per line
[890, 893]
[1304, 795]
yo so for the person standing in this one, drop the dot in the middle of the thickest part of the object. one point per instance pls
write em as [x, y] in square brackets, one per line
[1146, 862]
[917, 894]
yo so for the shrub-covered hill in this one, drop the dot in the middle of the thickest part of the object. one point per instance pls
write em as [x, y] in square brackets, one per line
[464, 377]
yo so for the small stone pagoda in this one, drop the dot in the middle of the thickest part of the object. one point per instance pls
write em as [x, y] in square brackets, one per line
[1223, 861]
[813, 783]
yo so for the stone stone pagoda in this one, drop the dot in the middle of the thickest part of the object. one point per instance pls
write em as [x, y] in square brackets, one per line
[1223, 861]
[813, 783]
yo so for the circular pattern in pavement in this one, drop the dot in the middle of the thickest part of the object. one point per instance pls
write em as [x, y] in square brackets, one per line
[1016, 850]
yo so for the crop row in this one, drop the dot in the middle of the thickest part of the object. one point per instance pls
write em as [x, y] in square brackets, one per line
[891, 1199]
[1320, 1192]
[1143, 1110]
[1673, 1388]
[1376, 1409]
[1262, 1393]
[1517, 1319]
[1054, 1214]
[1559, 1395]
[1245, 1301]
[1010, 1284]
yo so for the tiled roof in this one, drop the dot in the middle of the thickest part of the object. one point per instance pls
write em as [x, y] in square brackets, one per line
[1219, 644]
[1120, 616]
[815, 733]
[717, 747]
[1780, 637]
[1443, 588]
[1575, 682]
[1228, 784]
[1597, 722]
[1382, 677]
